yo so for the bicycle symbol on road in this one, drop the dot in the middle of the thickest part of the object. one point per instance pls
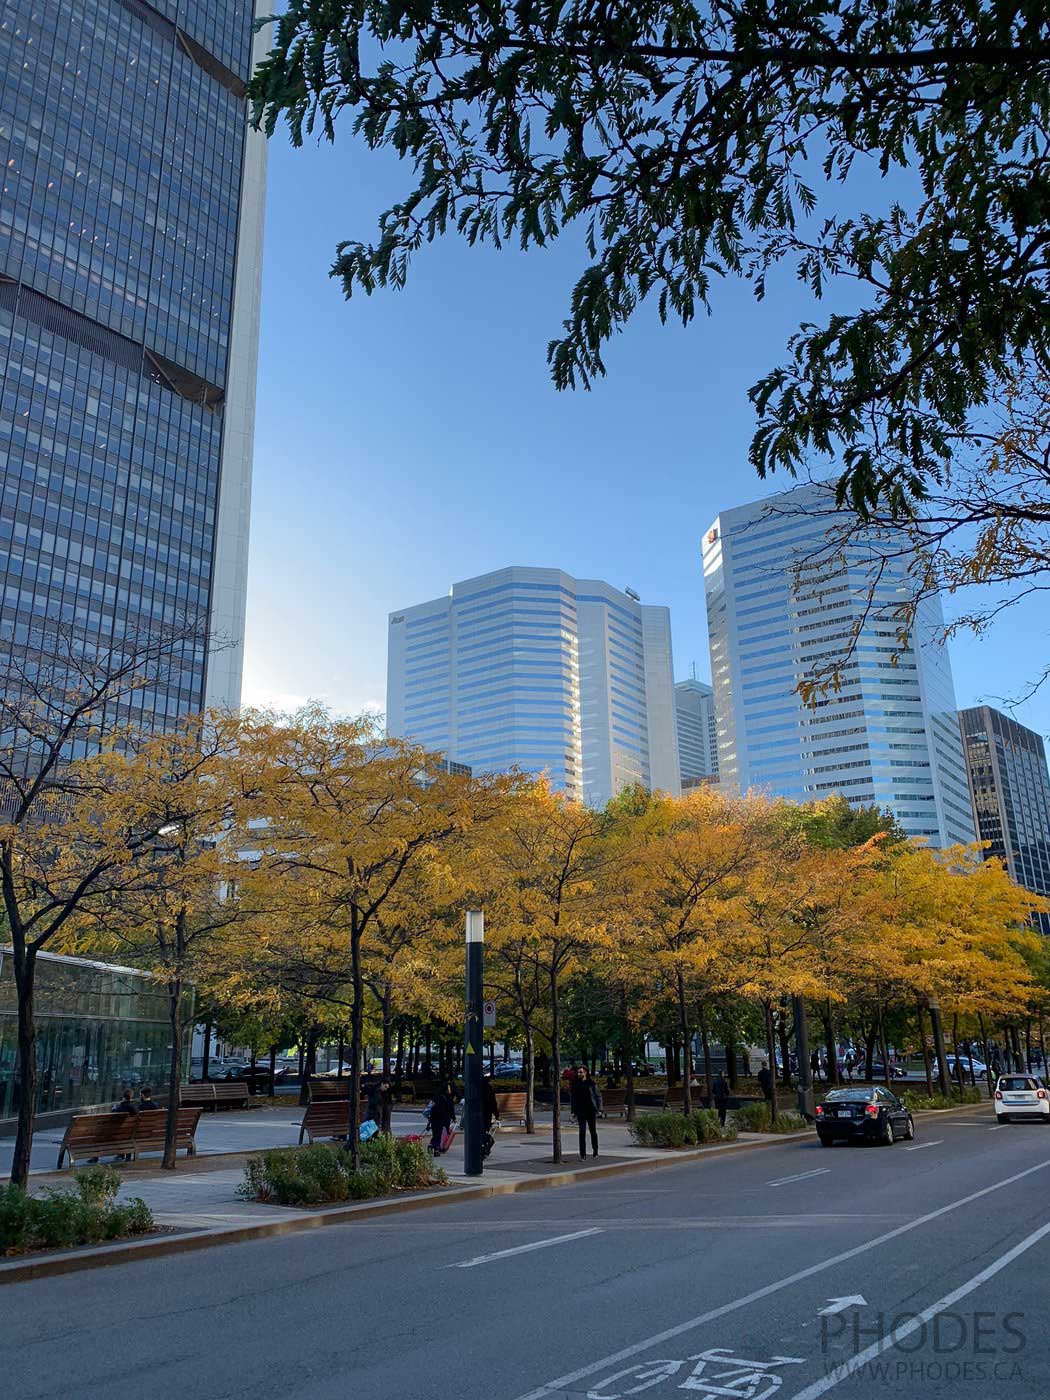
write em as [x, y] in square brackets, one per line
[715, 1372]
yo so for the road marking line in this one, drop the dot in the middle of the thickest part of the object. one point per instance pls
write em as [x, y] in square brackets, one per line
[918, 1147]
[800, 1176]
[523, 1249]
[690, 1325]
[854, 1363]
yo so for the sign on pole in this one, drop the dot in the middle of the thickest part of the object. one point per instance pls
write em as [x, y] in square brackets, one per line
[488, 1015]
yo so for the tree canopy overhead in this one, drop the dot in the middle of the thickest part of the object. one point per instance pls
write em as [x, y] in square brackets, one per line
[694, 141]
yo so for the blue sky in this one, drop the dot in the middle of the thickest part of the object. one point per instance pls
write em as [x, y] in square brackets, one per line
[413, 438]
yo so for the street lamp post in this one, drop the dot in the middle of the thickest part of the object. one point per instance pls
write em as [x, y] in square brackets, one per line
[473, 1044]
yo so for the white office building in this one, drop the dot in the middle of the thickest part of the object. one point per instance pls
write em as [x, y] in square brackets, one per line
[694, 704]
[783, 600]
[536, 670]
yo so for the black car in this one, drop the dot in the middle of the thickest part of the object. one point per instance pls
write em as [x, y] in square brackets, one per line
[863, 1115]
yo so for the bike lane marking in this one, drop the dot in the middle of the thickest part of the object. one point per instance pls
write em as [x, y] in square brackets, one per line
[523, 1249]
[767, 1291]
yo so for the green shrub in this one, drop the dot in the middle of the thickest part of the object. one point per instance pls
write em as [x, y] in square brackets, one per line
[323, 1173]
[670, 1129]
[755, 1118]
[64, 1219]
[914, 1100]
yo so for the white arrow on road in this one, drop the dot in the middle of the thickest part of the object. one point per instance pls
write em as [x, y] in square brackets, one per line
[837, 1305]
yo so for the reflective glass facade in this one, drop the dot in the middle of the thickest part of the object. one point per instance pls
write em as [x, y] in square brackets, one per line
[533, 669]
[782, 604]
[122, 152]
[1010, 789]
[100, 1030]
[697, 732]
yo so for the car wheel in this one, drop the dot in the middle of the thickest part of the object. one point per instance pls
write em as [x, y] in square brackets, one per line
[886, 1136]
[909, 1131]
[1001, 1118]
[825, 1141]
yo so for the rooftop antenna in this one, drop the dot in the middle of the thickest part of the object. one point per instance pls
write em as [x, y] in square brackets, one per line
[692, 670]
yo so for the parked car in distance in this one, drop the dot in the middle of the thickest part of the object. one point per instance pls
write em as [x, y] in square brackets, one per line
[509, 1069]
[1021, 1096]
[979, 1067]
[862, 1115]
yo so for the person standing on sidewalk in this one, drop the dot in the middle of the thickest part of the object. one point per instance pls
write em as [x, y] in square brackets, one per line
[765, 1082]
[586, 1102]
[720, 1094]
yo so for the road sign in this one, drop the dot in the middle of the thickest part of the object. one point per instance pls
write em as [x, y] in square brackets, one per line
[488, 1009]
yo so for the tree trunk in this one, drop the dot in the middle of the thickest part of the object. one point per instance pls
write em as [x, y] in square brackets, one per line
[885, 1050]
[987, 1056]
[556, 1067]
[925, 1051]
[958, 1058]
[938, 1047]
[869, 1051]
[687, 1047]
[709, 1083]
[729, 1046]
[174, 1069]
[340, 1050]
[206, 1053]
[772, 1062]
[1028, 1044]
[273, 1070]
[25, 984]
[357, 1018]
[399, 1061]
[785, 1047]
[830, 1045]
[530, 1077]
[387, 1099]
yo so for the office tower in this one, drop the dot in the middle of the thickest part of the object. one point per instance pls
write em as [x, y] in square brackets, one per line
[694, 704]
[1010, 789]
[130, 262]
[784, 598]
[530, 668]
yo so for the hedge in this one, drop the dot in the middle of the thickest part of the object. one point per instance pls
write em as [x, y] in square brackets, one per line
[755, 1118]
[914, 1100]
[669, 1128]
[321, 1174]
[62, 1219]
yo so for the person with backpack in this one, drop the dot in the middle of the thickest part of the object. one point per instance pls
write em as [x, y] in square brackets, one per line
[585, 1100]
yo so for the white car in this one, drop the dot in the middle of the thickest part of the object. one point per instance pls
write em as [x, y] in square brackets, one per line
[1021, 1096]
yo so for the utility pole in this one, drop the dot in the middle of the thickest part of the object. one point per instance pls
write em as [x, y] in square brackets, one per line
[473, 1047]
[805, 1070]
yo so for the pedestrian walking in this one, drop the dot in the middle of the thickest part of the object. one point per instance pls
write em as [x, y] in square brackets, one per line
[442, 1116]
[814, 1065]
[765, 1082]
[380, 1099]
[586, 1102]
[720, 1094]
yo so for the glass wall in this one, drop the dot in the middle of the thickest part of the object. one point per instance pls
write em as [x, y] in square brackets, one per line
[100, 1030]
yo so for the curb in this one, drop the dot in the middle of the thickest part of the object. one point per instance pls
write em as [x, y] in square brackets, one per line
[99, 1256]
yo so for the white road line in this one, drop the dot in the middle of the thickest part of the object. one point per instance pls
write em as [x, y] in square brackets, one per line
[855, 1363]
[918, 1146]
[690, 1325]
[523, 1249]
[799, 1176]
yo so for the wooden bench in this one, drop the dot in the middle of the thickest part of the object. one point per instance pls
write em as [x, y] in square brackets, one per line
[511, 1106]
[149, 1134]
[329, 1120]
[208, 1095]
[125, 1134]
[324, 1090]
[614, 1101]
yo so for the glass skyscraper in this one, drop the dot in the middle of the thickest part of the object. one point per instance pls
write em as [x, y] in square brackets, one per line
[784, 600]
[130, 261]
[694, 704]
[1010, 788]
[533, 669]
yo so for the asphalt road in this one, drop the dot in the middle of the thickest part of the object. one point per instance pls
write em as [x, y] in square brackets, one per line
[703, 1279]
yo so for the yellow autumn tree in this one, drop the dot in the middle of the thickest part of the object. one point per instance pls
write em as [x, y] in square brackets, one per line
[343, 818]
[545, 857]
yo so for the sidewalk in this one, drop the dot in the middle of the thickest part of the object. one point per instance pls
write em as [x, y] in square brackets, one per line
[202, 1192]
